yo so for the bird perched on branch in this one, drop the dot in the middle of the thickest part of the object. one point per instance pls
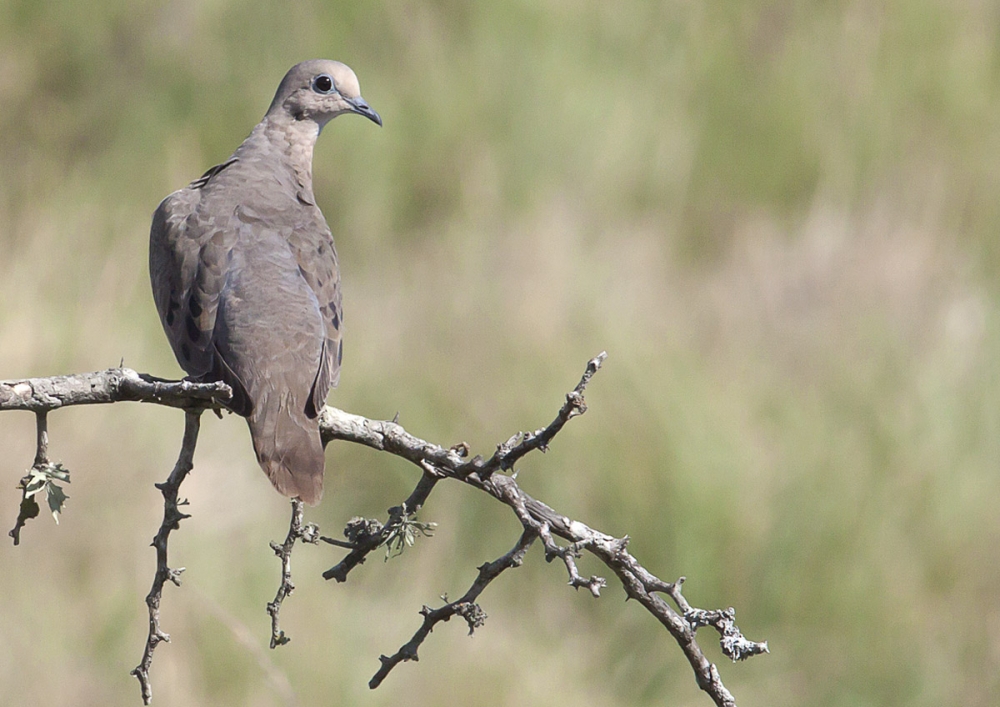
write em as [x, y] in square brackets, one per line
[245, 276]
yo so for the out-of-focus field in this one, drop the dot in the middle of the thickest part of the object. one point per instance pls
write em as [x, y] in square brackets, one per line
[780, 219]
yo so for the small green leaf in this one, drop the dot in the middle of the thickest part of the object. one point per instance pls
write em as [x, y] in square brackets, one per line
[404, 535]
[36, 481]
[57, 499]
[42, 478]
[58, 471]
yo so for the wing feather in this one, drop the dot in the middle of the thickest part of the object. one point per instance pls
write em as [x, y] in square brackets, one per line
[317, 260]
[188, 265]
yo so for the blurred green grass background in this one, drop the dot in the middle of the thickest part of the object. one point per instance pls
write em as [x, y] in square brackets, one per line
[780, 219]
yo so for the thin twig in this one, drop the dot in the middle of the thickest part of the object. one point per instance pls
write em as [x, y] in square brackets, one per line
[171, 520]
[42, 438]
[509, 452]
[40, 480]
[639, 583]
[296, 531]
[466, 607]
[367, 535]
[569, 554]
[436, 463]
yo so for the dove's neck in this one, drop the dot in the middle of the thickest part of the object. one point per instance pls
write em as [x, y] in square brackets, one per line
[292, 141]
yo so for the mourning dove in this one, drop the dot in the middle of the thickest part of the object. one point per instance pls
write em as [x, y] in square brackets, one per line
[245, 276]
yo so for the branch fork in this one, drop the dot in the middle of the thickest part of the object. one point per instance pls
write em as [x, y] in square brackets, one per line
[538, 520]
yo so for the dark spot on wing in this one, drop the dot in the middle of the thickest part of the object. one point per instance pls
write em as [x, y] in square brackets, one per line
[185, 352]
[340, 352]
[207, 176]
[335, 319]
[194, 307]
[193, 332]
[172, 306]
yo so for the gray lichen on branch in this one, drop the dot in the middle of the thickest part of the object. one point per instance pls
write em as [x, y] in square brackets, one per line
[111, 386]
[538, 520]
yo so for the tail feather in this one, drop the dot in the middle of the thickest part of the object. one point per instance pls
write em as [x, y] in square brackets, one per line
[289, 449]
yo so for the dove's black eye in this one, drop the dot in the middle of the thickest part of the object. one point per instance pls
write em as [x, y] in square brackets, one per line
[322, 84]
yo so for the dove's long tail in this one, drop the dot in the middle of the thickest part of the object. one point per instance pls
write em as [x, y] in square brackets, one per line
[289, 449]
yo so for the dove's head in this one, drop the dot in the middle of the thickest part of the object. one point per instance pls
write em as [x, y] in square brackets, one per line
[320, 90]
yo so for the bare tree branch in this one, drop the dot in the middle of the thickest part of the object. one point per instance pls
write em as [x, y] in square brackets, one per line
[307, 533]
[171, 520]
[465, 607]
[513, 449]
[111, 386]
[366, 535]
[541, 520]
[538, 520]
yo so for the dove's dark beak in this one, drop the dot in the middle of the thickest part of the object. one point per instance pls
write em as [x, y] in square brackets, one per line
[361, 107]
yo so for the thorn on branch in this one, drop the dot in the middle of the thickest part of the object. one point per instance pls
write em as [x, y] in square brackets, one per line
[174, 575]
[595, 584]
[504, 448]
[569, 555]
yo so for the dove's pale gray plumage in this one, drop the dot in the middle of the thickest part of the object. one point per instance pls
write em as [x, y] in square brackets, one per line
[245, 276]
